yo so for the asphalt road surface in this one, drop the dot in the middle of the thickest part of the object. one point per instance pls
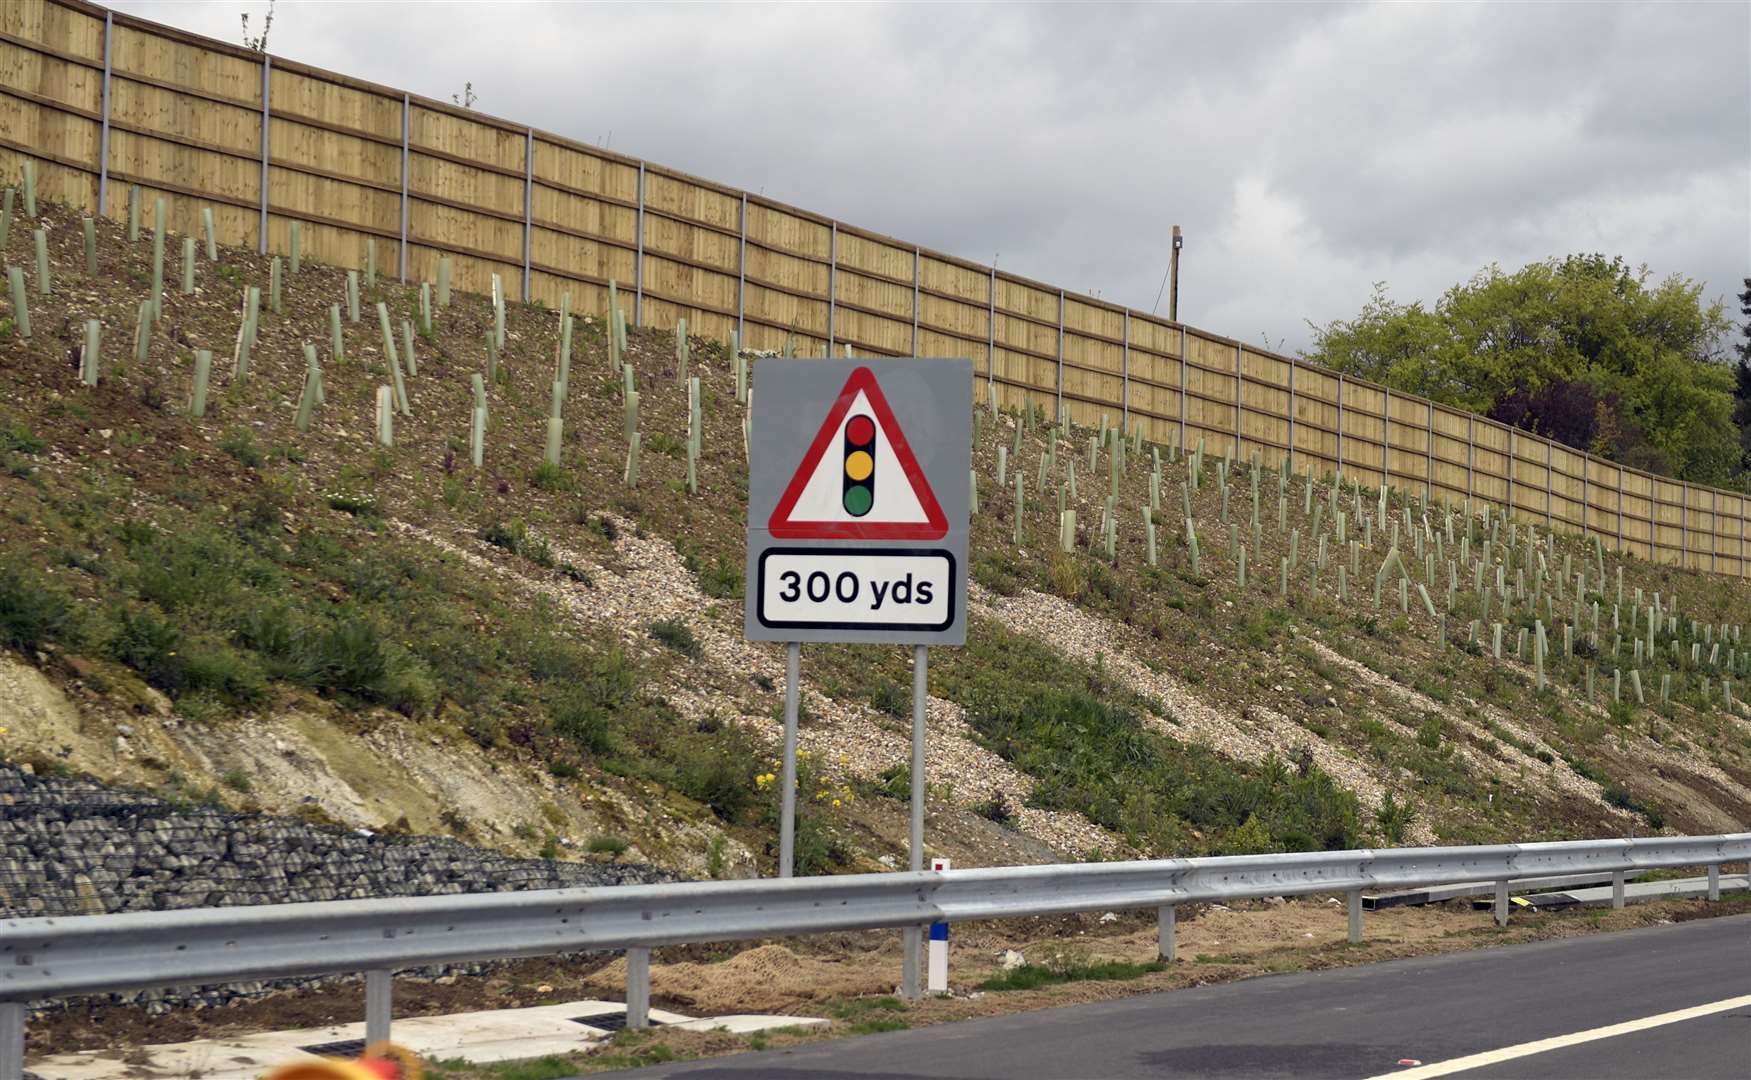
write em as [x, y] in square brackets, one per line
[1664, 1001]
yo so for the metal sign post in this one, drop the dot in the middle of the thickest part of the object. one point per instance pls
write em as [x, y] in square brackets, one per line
[857, 532]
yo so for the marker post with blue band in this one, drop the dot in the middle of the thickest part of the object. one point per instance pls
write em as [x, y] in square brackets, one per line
[936, 976]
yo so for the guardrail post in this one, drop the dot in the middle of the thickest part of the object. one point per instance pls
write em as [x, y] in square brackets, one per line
[1164, 921]
[1714, 881]
[638, 988]
[1501, 903]
[1354, 899]
[910, 939]
[377, 1011]
[11, 1040]
[1617, 891]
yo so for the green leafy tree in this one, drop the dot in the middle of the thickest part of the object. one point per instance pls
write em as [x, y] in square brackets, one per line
[1584, 350]
[1742, 381]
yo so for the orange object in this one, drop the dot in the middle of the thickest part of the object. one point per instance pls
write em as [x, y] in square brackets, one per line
[384, 1061]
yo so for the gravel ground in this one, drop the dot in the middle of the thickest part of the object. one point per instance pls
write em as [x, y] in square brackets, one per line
[851, 739]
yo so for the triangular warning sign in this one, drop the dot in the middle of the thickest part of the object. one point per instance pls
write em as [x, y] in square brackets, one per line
[858, 480]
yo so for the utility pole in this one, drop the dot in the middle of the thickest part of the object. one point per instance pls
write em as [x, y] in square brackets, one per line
[1173, 275]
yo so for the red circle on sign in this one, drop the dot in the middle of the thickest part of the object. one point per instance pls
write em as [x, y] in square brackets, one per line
[860, 430]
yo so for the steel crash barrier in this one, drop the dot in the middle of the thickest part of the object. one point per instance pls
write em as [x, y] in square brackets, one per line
[46, 958]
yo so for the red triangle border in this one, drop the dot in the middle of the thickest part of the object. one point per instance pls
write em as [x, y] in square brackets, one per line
[935, 525]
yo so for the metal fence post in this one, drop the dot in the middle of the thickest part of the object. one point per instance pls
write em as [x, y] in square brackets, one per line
[638, 257]
[1617, 891]
[1354, 900]
[1289, 452]
[528, 205]
[832, 283]
[1620, 541]
[1714, 881]
[1340, 429]
[1237, 352]
[742, 279]
[267, 69]
[11, 1040]
[990, 320]
[378, 987]
[1386, 440]
[1549, 484]
[1182, 389]
[1683, 526]
[1470, 460]
[917, 271]
[1429, 469]
[103, 133]
[1166, 947]
[1125, 378]
[401, 248]
[1501, 905]
[638, 988]
[1508, 504]
[1061, 419]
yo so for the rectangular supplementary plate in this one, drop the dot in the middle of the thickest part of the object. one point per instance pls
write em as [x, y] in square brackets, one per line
[892, 588]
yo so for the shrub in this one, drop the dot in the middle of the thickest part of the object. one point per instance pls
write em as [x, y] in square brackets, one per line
[608, 844]
[721, 579]
[240, 444]
[145, 641]
[550, 477]
[32, 612]
[678, 636]
[585, 713]
[996, 809]
[1394, 819]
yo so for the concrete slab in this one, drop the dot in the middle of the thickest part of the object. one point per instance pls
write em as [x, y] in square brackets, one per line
[747, 1024]
[481, 1037]
[1678, 889]
[1435, 894]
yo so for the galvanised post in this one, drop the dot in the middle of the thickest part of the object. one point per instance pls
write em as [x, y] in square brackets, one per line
[832, 283]
[378, 991]
[917, 263]
[638, 988]
[638, 258]
[528, 205]
[103, 133]
[267, 68]
[401, 248]
[742, 279]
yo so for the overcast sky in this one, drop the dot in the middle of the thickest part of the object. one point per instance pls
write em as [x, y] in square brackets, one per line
[1307, 151]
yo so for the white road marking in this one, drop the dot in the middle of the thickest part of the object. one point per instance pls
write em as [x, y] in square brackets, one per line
[1557, 1042]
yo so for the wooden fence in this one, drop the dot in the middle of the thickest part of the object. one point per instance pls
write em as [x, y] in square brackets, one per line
[103, 101]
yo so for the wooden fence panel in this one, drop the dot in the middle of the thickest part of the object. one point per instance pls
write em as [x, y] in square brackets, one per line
[1451, 439]
[1408, 437]
[1364, 446]
[1264, 408]
[1316, 418]
[1603, 480]
[186, 117]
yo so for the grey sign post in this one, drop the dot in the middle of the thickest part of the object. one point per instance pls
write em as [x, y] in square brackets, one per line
[857, 531]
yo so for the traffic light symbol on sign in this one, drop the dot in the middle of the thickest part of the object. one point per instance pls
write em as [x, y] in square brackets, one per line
[859, 482]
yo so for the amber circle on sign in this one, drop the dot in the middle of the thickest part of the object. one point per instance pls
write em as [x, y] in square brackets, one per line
[858, 465]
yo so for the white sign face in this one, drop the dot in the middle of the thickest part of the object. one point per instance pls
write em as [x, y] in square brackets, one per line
[841, 489]
[889, 588]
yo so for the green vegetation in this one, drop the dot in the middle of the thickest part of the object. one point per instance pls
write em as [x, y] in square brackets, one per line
[1032, 976]
[1584, 350]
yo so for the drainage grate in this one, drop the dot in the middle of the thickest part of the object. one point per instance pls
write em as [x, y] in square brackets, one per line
[609, 1021]
[346, 1048]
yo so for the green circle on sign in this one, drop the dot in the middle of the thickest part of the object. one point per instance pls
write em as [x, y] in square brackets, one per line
[858, 500]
